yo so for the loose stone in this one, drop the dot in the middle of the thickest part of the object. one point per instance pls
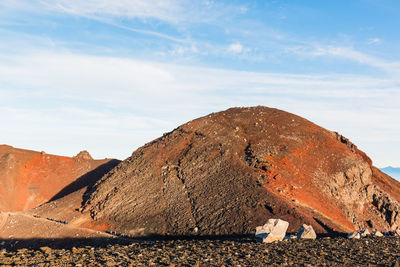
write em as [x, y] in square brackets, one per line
[306, 232]
[273, 230]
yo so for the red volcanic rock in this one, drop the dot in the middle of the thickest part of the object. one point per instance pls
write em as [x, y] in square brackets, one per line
[29, 178]
[230, 171]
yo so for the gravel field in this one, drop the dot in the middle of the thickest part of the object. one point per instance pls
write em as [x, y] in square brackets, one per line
[383, 251]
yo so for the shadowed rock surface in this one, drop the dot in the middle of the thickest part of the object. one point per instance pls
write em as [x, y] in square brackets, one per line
[230, 171]
[87, 180]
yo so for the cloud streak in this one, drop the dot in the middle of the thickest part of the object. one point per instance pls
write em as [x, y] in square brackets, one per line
[133, 101]
[169, 11]
[351, 54]
[166, 10]
[235, 48]
[59, 86]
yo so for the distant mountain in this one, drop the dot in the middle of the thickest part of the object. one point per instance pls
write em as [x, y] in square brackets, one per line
[392, 171]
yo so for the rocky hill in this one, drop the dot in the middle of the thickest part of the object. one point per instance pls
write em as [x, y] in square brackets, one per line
[29, 178]
[230, 171]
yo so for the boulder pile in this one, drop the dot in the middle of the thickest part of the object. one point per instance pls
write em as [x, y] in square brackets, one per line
[275, 230]
[365, 233]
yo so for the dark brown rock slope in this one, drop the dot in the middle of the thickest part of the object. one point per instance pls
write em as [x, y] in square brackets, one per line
[230, 171]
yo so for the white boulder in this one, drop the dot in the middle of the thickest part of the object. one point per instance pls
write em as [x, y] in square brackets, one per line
[377, 234]
[354, 235]
[273, 230]
[306, 232]
[396, 233]
[364, 233]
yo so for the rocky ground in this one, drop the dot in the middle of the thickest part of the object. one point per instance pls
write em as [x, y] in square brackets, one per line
[245, 251]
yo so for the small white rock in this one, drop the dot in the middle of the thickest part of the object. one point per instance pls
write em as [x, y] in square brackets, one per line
[364, 233]
[306, 232]
[377, 234]
[354, 235]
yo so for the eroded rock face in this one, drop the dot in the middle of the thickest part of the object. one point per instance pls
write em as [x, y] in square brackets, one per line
[370, 203]
[387, 206]
[230, 171]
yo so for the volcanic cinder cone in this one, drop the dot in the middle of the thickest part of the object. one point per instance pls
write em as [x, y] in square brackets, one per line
[230, 171]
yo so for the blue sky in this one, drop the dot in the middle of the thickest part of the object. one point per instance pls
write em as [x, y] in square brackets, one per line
[109, 76]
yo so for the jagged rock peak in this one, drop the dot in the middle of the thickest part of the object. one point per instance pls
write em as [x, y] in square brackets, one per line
[84, 155]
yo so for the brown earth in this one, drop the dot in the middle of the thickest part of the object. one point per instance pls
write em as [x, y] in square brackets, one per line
[20, 226]
[230, 171]
[29, 178]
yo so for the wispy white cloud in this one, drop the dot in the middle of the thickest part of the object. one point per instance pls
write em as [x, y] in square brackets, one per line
[235, 48]
[374, 41]
[184, 50]
[166, 10]
[124, 14]
[141, 31]
[76, 72]
[170, 11]
[109, 12]
[348, 53]
[115, 104]
[125, 102]
[66, 75]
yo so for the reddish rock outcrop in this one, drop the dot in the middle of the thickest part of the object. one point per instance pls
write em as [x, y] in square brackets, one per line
[84, 155]
[230, 171]
[29, 178]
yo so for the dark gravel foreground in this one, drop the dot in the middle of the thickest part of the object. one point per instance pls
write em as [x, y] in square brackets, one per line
[339, 251]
